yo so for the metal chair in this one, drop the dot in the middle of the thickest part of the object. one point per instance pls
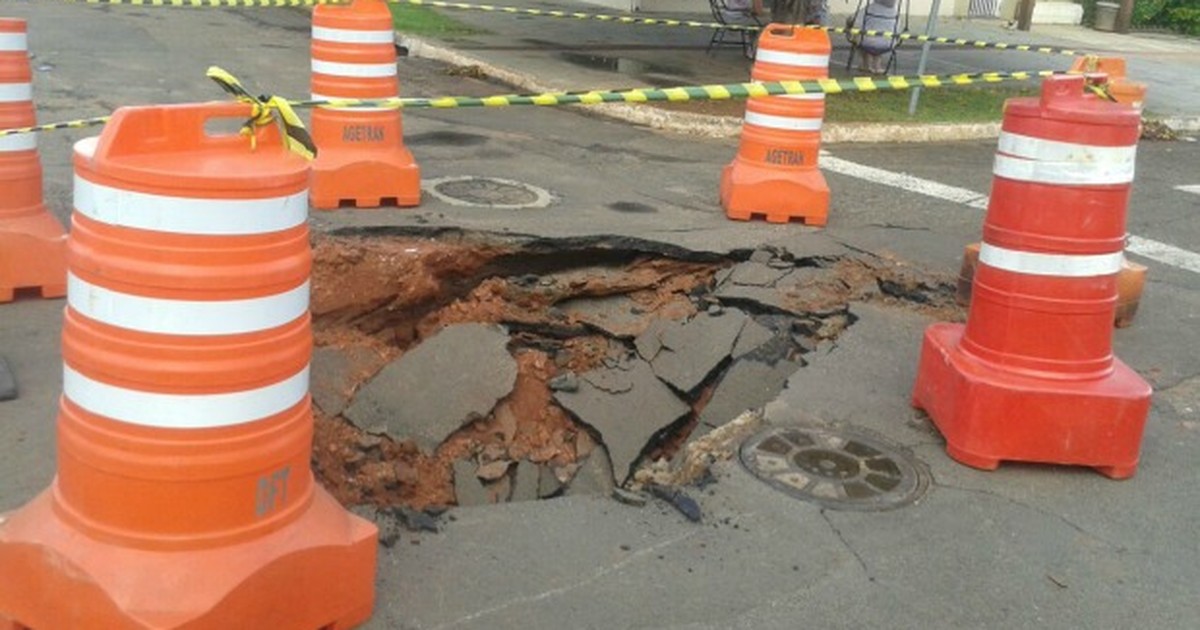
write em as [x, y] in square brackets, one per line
[727, 15]
[865, 19]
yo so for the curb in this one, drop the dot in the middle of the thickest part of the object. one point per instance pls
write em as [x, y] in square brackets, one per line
[708, 126]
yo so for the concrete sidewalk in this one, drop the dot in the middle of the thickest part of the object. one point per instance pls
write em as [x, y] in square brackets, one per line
[541, 53]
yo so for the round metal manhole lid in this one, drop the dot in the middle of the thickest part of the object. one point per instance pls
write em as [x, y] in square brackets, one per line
[488, 192]
[838, 468]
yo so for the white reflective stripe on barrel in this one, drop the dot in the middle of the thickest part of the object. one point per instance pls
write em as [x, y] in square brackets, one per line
[804, 97]
[185, 317]
[1044, 150]
[18, 142]
[1063, 173]
[792, 59]
[185, 215]
[1061, 265]
[350, 36]
[1039, 160]
[786, 123]
[13, 42]
[183, 411]
[15, 92]
[355, 70]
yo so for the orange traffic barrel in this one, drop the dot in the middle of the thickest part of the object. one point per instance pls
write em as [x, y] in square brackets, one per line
[32, 241]
[1031, 376]
[1131, 284]
[1117, 82]
[361, 158]
[775, 174]
[184, 496]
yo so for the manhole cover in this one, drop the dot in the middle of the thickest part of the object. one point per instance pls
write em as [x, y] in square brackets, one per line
[488, 192]
[841, 468]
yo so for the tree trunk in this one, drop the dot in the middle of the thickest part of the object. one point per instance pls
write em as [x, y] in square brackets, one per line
[1025, 14]
[1124, 17]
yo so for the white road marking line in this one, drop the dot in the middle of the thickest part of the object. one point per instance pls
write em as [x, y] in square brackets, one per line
[1147, 248]
[904, 181]
[1163, 253]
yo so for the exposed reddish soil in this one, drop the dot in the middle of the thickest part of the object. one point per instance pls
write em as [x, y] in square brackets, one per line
[383, 295]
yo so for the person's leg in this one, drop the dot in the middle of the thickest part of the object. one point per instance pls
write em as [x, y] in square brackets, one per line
[864, 61]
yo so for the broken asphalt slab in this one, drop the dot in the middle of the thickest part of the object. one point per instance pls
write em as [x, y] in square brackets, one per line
[803, 291]
[334, 374]
[628, 407]
[748, 384]
[433, 389]
[692, 350]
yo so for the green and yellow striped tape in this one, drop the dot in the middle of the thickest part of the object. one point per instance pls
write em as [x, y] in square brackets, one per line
[689, 93]
[637, 95]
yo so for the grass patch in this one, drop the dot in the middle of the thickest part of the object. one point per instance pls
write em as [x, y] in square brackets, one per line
[960, 104]
[937, 105]
[417, 20]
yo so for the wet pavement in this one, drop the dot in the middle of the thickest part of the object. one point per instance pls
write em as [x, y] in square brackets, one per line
[1025, 545]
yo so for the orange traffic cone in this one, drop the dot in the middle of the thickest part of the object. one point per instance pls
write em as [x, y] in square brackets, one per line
[184, 497]
[32, 242]
[1031, 376]
[775, 173]
[361, 158]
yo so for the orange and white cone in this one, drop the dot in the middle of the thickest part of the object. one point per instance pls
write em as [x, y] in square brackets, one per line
[1031, 376]
[775, 174]
[184, 496]
[361, 157]
[32, 241]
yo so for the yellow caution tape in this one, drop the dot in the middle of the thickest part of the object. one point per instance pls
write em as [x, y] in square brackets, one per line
[687, 93]
[69, 124]
[274, 108]
[267, 110]
[602, 17]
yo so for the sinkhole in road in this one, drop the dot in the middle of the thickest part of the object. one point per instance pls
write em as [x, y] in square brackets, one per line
[469, 369]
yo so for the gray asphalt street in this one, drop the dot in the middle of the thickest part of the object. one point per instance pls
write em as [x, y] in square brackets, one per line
[1022, 546]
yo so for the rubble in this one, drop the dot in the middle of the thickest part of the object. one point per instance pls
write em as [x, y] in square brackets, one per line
[336, 372]
[752, 336]
[699, 455]
[467, 488]
[628, 406]
[431, 390]
[679, 500]
[526, 481]
[693, 349]
[748, 384]
[594, 476]
[505, 375]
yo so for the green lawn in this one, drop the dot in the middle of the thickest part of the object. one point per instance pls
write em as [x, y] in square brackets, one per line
[417, 20]
[947, 105]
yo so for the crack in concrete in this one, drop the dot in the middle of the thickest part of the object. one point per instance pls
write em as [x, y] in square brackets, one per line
[554, 592]
[846, 543]
[895, 226]
[1064, 520]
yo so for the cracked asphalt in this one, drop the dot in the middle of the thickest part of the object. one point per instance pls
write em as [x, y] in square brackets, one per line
[1023, 546]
